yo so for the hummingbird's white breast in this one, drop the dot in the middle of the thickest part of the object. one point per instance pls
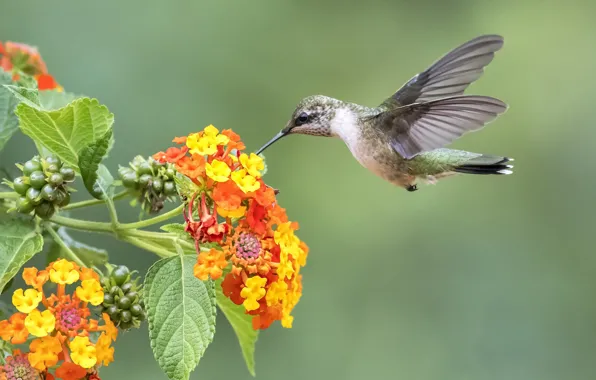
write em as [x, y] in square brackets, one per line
[345, 125]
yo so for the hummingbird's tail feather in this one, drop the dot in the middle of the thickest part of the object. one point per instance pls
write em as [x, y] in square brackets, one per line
[486, 164]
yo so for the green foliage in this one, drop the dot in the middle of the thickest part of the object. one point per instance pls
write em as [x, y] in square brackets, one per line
[53, 100]
[19, 242]
[9, 122]
[67, 130]
[90, 158]
[177, 228]
[242, 325]
[181, 312]
[27, 95]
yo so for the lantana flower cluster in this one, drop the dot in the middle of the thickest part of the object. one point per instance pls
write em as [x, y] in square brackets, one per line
[17, 57]
[59, 326]
[252, 243]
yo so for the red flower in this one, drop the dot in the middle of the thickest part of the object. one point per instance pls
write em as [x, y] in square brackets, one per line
[232, 286]
[206, 229]
[70, 371]
[256, 218]
[46, 82]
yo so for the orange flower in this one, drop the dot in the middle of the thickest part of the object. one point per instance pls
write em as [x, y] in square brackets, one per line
[70, 371]
[265, 195]
[210, 264]
[88, 273]
[44, 352]
[234, 142]
[35, 278]
[179, 140]
[227, 195]
[14, 329]
[172, 154]
[192, 167]
[255, 236]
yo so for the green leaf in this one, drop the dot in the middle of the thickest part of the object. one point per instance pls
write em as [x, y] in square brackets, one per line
[176, 228]
[19, 241]
[242, 325]
[186, 187]
[9, 123]
[89, 159]
[104, 182]
[90, 255]
[67, 130]
[53, 100]
[27, 95]
[181, 313]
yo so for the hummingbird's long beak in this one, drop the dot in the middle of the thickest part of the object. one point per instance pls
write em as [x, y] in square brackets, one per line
[281, 134]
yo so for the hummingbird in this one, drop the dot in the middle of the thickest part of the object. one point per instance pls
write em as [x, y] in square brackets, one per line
[403, 139]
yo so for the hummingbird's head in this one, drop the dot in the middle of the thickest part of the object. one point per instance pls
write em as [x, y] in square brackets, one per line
[312, 116]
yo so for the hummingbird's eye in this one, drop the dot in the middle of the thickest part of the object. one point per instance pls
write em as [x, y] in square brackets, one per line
[302, 119]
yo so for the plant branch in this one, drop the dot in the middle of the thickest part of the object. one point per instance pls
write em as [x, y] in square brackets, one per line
[84, 225]
[158, 219]
[93, 202]
[63, 245]
[161, 252]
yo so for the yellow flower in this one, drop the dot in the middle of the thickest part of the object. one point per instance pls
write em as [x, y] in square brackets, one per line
[44, 352]
[63, 272]
[245, 182]
[284, 236]
[285, 269]
[276, 292]
[201, 145]
[213, 133]
[253, 164]
[286, 321]
[218, 171]
[105, 353]
[90, 291]
[26, 301]
[252, 292]
[40, 324]
[237, 213]
[82, 352]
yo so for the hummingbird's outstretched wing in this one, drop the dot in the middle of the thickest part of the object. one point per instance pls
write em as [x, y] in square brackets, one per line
[450, 75]
[422, 127]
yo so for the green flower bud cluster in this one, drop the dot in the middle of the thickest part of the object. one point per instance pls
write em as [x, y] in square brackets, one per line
[43, 187]
[151, 180]
[122, 299]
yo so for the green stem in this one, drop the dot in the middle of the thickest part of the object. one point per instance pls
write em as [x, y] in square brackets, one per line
[149, 234]
[93, 202]
[149, 222]
[113, 214]
[79, 224]
[161, 252]
[63, 245]
[8, 194]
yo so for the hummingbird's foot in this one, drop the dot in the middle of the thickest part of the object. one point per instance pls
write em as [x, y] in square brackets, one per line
[411, 188]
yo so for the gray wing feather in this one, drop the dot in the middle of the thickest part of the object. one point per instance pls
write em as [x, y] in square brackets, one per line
[450, 75]
[423, 127]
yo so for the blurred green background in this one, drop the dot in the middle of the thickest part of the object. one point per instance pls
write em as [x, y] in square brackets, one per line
[474, 278]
